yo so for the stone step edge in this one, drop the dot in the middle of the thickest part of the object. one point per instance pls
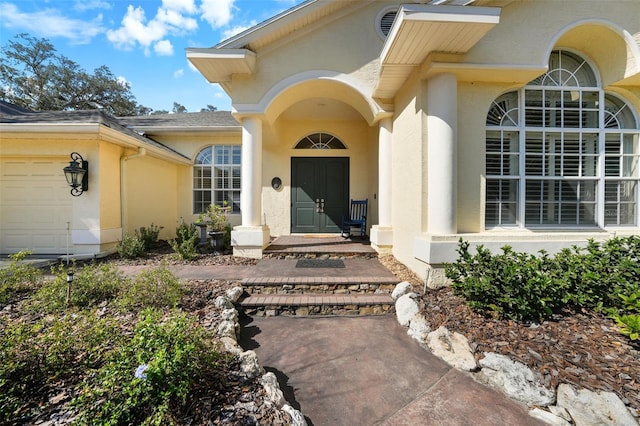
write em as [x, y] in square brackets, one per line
[274, 281]
[315, 300]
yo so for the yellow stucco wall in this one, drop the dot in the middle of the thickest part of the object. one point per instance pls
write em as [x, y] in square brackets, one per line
[150, 194]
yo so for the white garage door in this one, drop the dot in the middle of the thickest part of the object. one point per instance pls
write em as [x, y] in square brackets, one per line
[35, 205]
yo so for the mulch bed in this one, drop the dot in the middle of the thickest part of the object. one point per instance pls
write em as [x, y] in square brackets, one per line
[583, 349]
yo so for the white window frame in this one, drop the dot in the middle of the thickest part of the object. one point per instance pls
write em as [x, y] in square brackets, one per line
[216, 178]
[582, 175]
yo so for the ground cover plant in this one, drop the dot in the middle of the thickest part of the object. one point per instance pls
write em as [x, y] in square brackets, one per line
[116, 350]
[604, 277]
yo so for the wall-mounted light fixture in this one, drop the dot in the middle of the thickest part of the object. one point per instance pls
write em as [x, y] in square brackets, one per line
[77, 174]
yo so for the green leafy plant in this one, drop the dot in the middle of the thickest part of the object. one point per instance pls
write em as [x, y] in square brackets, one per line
[156, 287]
[92, 285]
[525, 287]
[52, 350]
[18, 276]
[149, 236]
[152, 373]
[629, 325]
[185, 245]
[215, 217]
[512, 285]
[131, 246]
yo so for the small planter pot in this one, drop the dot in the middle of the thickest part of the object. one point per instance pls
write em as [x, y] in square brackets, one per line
[217, 240]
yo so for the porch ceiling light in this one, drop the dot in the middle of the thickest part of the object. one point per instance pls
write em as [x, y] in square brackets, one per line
[77, 174]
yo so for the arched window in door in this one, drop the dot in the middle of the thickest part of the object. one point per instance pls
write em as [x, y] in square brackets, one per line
[320, 141]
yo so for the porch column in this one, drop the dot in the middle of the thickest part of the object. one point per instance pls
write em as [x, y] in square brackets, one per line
[382, 233]
[442, 110]
[251, 236]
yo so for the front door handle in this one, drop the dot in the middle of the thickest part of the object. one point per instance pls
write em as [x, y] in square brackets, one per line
[322, 205]
[318, 205]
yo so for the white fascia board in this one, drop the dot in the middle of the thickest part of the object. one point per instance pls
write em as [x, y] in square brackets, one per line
[49, 128]
[219, 53]
[473, 14]
[282, 19]
[154, 130]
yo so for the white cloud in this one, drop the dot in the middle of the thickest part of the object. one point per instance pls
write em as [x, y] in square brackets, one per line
[187, 6]
[178, 73]
[50, 23]
[83, 5]
[217, 13]
[230, 32]
[163, 48]
[170, 19]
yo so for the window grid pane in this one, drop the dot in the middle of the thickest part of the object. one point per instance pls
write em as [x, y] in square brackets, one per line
[216, 178]
[563, 169]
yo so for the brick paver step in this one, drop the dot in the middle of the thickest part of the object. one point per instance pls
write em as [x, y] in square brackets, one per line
[316, 299]
[275, 281]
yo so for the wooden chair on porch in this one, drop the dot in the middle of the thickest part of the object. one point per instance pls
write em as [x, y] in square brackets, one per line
[357, 218]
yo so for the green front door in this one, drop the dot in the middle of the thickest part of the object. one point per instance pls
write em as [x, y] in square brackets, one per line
[319, 193]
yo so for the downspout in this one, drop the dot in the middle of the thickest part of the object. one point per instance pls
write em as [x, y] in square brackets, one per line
[123, 203]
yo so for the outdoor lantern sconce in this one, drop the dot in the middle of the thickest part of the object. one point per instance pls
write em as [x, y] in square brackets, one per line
[77, 174]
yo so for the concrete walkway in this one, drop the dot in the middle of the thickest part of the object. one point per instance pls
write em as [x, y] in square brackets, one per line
[367, 371]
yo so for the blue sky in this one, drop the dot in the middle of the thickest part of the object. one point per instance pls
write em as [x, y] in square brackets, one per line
[141, 41]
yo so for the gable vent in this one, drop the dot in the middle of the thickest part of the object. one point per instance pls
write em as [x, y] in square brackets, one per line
[387, 21]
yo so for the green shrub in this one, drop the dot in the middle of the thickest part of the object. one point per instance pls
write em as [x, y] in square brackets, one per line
[185, 245]
[37, 357]
[529, 288]
[149, 236]
[513, 285]
[156, 287]
[131, 246]
[152, 374]
[18, 276]
[595, 275]
[92, 285]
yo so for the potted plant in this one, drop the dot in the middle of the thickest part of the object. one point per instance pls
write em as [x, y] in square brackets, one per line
[216, 220]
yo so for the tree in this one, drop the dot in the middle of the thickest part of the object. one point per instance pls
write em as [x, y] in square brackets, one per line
[179, 109]
[35, 77]
[209, 108]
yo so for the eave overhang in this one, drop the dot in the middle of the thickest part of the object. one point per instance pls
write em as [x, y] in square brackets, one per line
[218, 65]
[87, 132]
[420, 30]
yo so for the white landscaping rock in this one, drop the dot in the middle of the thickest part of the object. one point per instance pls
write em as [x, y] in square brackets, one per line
[272, 388]
[419, 328]
[515, 379]
[231, 345]
[229, 315]
[453, 348]
[297, 419]
[228, 329]
[233, 294]
[406, 308]
[401, 289]
[223, 302]
[548, 417]
[249, 364]
[589, 408]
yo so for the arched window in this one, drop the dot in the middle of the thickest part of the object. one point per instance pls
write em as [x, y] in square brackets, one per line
[561, 152]
[216, 178]
[320, 141]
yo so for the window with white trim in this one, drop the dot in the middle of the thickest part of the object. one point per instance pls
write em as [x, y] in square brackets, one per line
[561, 152]
[216, 178]
[320, 141]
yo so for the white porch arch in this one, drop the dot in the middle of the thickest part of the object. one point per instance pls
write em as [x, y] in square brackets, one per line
[316, 83]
